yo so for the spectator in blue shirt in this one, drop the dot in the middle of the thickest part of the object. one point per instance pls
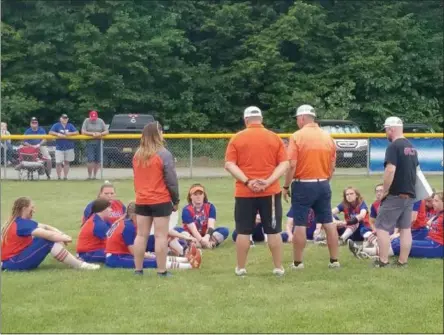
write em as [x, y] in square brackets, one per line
[40, 144]
[64, 154]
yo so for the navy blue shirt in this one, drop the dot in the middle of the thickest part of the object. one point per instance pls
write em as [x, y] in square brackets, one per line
[63, 144]
[38, 131]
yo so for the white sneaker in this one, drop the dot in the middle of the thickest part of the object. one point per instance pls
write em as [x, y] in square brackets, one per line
[334, 265]
[240, 272]
[279, 272]
[89, 266]
[299, 267]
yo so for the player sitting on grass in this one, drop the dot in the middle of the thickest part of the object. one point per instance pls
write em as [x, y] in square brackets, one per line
[120, 247]
[355, 215]
[314, 231]
[432, 246]
[92, 237]
[26, 243]
[108, 192]
[369, 233]
[199, 219]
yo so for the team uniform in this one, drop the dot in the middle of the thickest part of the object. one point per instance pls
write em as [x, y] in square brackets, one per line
[20, 250]
[120, 236]
[92, 239]
[118, 209]
[432, 246]
[311, 223]
[419, 226]
[361, 227]
[200, 219]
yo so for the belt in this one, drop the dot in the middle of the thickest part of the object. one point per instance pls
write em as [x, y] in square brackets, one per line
[404, 196]
[309, 180]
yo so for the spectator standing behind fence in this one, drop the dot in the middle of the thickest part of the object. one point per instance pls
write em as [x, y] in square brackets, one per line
[39, 143]
[401, 163]
[312, 155]
[256, 158]
[6, 144]
[157, 195]
[95, 127]
[64, 154]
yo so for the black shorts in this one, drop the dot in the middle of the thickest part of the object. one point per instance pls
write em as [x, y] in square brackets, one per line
[245, 210]
[157, 210]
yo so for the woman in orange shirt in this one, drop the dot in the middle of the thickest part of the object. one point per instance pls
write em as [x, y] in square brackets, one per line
[157, 195]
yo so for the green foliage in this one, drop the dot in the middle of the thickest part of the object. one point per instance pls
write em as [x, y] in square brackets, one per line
[196, 65]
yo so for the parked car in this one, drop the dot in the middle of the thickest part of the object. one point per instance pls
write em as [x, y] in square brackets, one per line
[350, 152]
[120, 152]
[417, 128]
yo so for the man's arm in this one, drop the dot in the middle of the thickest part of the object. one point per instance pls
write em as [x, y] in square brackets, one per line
[236, 172]
[389, 174]
[290, 173]
[278, 172]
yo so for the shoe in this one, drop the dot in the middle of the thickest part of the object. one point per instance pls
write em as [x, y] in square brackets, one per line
[342, 242]
[378, 264]
[354, 249]
[164, 274]
[400, 265]
[192, 251]
[89, 266]
[252, 244]
[321, 243]
[138, 272]
[297, 267]
[240, 272]
[334, 265]
[196, 261]
[279, 272]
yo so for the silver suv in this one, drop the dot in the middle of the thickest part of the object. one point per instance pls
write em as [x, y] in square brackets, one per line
[350, 152]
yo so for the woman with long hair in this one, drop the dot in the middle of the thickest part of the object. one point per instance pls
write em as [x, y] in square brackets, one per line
[117, 209]
[92, 236]
[26, 243]
[199, 219]
[355, 215]
[120, 247]
[157, 195]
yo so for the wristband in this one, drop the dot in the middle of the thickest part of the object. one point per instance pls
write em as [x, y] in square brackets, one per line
[246, 183]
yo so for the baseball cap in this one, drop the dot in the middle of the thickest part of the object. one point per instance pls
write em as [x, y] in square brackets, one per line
[252, 111]
[305, 110]
[34, 120]
[64, 116]
[393, 121]
[93, 115]
[197, 189]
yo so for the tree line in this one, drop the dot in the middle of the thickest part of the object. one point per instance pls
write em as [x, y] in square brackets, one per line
[195, 65]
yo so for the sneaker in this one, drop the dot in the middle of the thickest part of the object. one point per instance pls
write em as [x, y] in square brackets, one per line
[334, 265]
[192, 251]
[252, 244]
[240, 272]
[400, 265]
[138, 272]
[354, 249]
[165, 274]
[298, 267]
[279, 272]
[342, 242]
[378, 264]
[321, 243]
[89, 266]
[196, 261]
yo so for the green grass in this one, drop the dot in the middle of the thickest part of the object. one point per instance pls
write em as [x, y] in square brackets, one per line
[355, 298]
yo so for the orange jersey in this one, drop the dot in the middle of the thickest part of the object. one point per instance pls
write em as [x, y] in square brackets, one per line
[314, 152]
[18, 237]
[120, 236]
[257, 151]
[436, 232]
[156, 181]
[118, 210]
[92, 234]
[421, 218]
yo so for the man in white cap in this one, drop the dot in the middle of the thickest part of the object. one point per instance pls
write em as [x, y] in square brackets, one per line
[401, 163]
[312, 155]
[256, 158]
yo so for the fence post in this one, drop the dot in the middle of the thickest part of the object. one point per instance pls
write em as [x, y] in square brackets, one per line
[5, 159]
[368, 156]
[101, 159]
[191, 158]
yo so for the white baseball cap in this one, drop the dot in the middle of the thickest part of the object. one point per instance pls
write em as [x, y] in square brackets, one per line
[305, 110]
[252, 111]
[393, 121]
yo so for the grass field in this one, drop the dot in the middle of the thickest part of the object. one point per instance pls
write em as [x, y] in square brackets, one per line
[355, 298]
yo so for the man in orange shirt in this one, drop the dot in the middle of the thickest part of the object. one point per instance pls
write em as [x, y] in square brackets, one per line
[256, 158]
[312, 155]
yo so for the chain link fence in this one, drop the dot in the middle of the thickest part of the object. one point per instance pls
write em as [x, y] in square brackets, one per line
[112, 158]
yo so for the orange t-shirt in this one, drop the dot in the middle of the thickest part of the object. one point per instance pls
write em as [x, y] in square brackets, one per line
[314, 152]
[156, 181]
[257, 151]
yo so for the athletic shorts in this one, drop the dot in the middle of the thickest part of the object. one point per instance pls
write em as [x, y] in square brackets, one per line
[157, 210]
[64, 156]
[395, 211]
[31, 257]
[269, 208]
[127, 262]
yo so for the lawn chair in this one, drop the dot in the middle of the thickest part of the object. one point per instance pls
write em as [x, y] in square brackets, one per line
[29, 161]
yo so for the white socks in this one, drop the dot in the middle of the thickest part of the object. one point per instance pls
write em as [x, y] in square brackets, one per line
[59, 252]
